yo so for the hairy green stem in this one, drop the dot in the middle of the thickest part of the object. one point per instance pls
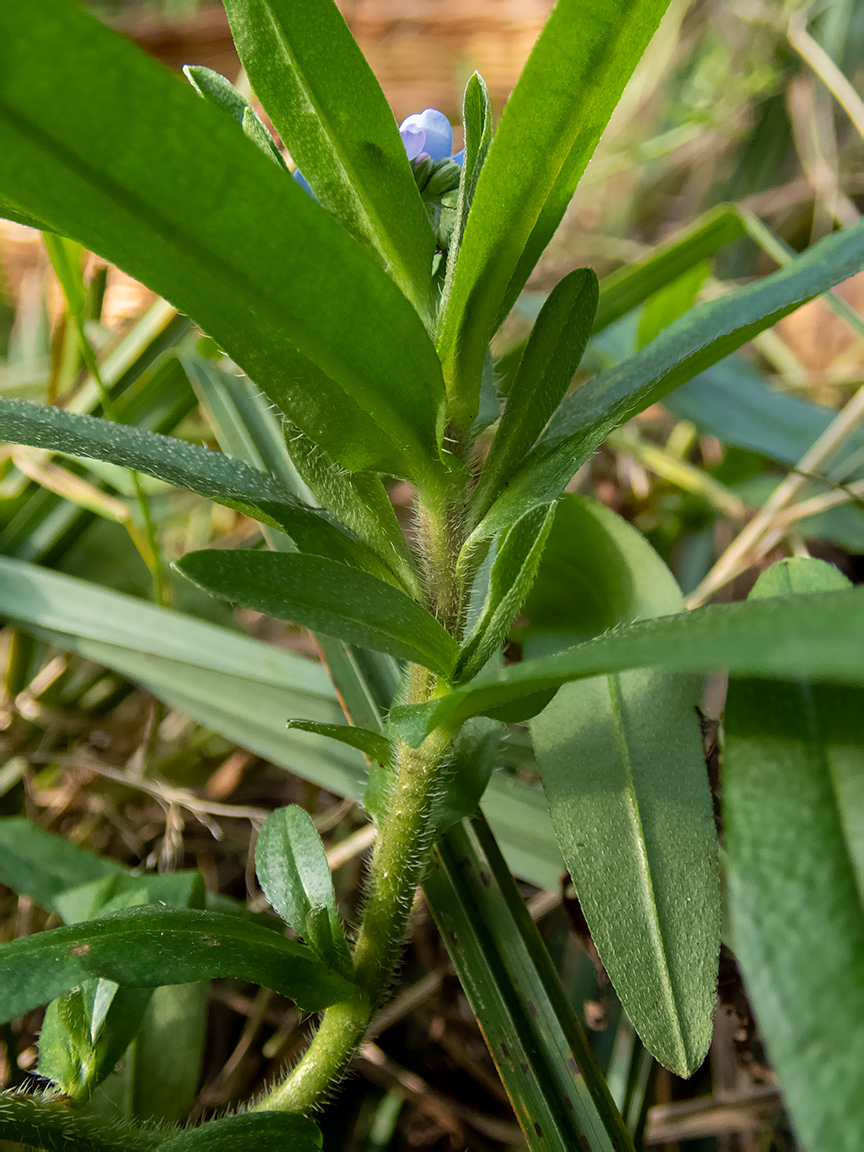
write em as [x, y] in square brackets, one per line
[53, 1124]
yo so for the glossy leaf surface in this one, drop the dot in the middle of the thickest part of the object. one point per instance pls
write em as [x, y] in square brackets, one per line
[705, 335]
[149, 948]
[341, 134]
[226, 237]
[328, 597]
[624, 775]
[551, 124]
[794, 815]
[820, 635]
[293, 872]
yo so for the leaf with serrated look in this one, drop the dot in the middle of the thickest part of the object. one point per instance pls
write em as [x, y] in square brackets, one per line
[793, 794]
[327, 597]
[147, 948]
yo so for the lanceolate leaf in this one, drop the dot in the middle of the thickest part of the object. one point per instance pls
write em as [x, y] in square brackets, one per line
[794, 815]
[371, 744]
[208, 473]
[548, 365]
[224, 95]
[327, 597]
[199, 215]
[820, 635]
[550, 127]
[624, 775]
[340, 132]
[293, 872]
[510, 581]
[696, 341]
[146, 948]
[263, 1131]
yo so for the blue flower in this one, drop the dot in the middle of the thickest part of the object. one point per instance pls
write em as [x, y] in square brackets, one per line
[438, 135]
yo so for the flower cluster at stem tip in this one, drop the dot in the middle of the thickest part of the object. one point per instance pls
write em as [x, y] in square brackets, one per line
[426, 135]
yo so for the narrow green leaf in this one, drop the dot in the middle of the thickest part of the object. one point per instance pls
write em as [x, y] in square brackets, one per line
[65, 257]
[705, 335]
[820, 636]
[210, 474]
[341, 134]
[547, 367]
[624, 775]
[551, 124]
[477, 120]
[224, 236]
[148, 948]
[224, 95]
[670, 303]
[371, 744]
[328, 597]
[358, 499]
[510, 581]
[293, 872]
[161, 1080]
[265, 1131]
[36, 864]
[794, 817]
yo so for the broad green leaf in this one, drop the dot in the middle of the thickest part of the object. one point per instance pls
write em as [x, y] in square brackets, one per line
[705, 335]
[293, 872]
[358, 499]
[820, 636]
[547, 367]
[328, 597]
[794, 818]
[371, 744]
[512, 575]
[477, 121]
[192, 945]
[199, 215]
[265, 1131]
[733, 402]
[224, 95]
[551, 125]
[624, 775]
[340, 132]
[160, 1081]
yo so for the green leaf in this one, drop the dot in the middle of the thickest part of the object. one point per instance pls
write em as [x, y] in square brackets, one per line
[477, 120]
[224, 95]
[512, 575]
[293, 872]
[207, 222]
[371, 744]
[548, 365]
[210, 474]
[36, 864]
[624, 775]
[266, 1131]
[733, 402]
[551, 124]
[65, 257]
[359, 499]
[328, 597]
[794, 818]
[670, 303]
[161, 1080]
[701, 338]
[149, 948]
[341, 133]
[821, 635]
